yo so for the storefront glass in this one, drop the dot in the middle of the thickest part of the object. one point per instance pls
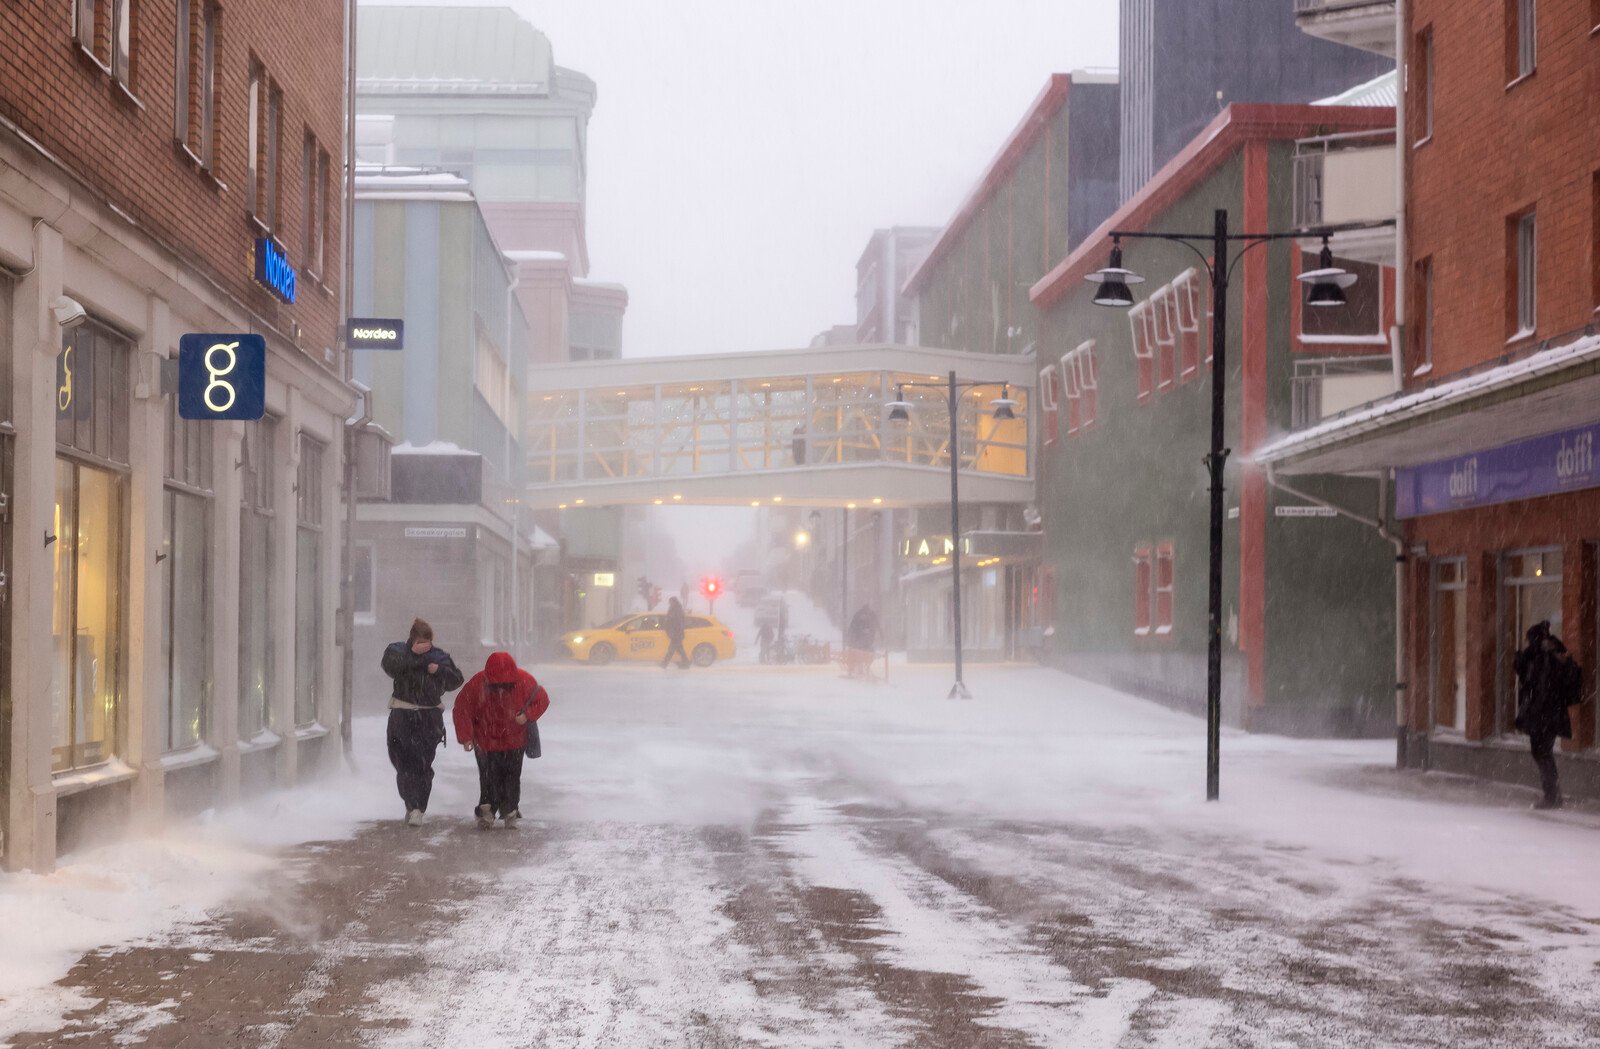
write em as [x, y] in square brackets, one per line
[308, 583]
[1449, 645]
[1530, 592]
[186, 581]
[257, 557]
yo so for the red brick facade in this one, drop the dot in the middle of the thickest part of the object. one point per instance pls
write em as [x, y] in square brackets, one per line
[1500, 146]
[123, 143]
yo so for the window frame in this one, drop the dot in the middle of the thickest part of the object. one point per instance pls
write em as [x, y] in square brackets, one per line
[1164, 579]
[1191, 330]
[1425, 315]
[1143, 590]
[1050, 402]
[1521, 41]
[1523, 264]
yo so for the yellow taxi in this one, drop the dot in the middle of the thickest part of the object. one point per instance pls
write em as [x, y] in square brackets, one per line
[643, 636]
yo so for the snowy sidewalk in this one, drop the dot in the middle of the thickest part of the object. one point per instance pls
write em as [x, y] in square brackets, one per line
[734, 858]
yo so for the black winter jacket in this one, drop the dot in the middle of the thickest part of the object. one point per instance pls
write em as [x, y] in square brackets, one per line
[412, 682]
[1548, 682]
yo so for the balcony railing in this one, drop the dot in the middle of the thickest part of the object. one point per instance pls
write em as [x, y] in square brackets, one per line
[1344, 178]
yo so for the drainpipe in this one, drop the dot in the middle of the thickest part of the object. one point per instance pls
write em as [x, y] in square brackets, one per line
[1380, 524]
[354, 428]
[1402, 150]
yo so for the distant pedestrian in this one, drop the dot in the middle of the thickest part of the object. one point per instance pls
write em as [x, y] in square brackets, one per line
[492, 715]
[675, 624]
[1548, 682]
[422, 675]
[764, 638]
[860, 642]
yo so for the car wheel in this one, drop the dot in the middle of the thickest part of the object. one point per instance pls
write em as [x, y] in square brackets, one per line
[704, 655]
[601, 654]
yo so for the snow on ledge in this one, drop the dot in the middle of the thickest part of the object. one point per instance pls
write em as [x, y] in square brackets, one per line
[1430, 399]
[432, 448]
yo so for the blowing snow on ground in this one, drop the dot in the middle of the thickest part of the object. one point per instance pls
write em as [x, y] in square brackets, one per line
[775, 857]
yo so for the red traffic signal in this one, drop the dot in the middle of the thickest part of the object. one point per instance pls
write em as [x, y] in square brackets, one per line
[711, 587]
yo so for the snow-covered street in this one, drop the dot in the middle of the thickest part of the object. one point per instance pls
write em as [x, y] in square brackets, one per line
[776, 857]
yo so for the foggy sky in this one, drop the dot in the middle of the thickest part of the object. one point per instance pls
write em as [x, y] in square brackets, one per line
[742, 151]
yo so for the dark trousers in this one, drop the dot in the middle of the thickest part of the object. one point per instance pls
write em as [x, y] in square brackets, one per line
[499, 780]
[675, 645]
[414, 738]
[1543, 745]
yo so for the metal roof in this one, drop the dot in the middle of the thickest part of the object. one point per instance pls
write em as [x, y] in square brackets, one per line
[1381, 90]
[451, 50]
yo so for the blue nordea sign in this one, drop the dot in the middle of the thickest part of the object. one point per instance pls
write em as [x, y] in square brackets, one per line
[273, 269]
[1556, 462]
[222, 377]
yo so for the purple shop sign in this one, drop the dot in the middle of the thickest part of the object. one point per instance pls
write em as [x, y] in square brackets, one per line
[1548, 465]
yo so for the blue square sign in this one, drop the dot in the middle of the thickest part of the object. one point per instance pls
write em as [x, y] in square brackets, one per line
[222, 376]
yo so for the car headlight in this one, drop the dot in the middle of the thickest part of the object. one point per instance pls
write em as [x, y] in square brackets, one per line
[578, 640]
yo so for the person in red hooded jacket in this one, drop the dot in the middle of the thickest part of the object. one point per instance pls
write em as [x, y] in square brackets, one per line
[492, 714]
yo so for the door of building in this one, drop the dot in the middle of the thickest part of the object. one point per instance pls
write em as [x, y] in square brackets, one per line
[1530, 592]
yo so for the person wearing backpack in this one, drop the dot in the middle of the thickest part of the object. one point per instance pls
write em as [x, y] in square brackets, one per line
[1548, 682]
[422, 675]
[493, 716]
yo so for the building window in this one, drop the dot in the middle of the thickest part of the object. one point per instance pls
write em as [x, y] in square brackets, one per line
[363, 584]
[1192, 315]
[1050, 397]
[308, 201]
[185, 570]
[87, 545]
[1522, 295]
[309, 525]
[493, 379]
[1141, 326]
[195, 94]
[1447, 644]
[1081, 378]
[266, 127]
[1421, 74]
[1163, 588]
[319, 251]
[1594, 233]
[1530, 592]
[1424, 328]
[105, 31]
[1164, 324]
[257, 561]
[1521, 39]
[1143, 577]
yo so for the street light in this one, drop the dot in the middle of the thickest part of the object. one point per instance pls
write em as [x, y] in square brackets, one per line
[1327, 284]
[1004, 411]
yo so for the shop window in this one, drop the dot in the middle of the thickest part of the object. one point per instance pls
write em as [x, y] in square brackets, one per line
[195, 79]
[1530, 592]
[87, 545]
[308, 613]
[1163, 589]
[257, 560]
[1143, 576]
[185, 576]
[1448, 644]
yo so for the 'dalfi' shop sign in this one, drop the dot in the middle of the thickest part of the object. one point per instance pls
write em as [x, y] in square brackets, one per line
[222, 376]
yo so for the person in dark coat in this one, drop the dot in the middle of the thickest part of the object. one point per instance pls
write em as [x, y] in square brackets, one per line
[422, 675]
[861, 639]
[1548, 682]
[674, 623]
[492, 715]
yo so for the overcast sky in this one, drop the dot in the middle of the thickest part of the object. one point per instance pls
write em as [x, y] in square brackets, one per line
[742, 151]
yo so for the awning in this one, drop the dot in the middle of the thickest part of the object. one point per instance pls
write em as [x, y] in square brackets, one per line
[1550, 389]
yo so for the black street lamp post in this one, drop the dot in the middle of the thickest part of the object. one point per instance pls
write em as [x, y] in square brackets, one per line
[1327, 284]
[1004, 409]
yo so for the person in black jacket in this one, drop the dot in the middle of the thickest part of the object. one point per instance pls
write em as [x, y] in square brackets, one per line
[422, 675]
[1548, 682]
[675, 626]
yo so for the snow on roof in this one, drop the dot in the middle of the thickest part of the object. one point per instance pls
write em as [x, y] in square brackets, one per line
[541, 540]
[432, 448]
[526, 255]
[1383, 90]
[1404, 406]
[600, 285]
[373, 180]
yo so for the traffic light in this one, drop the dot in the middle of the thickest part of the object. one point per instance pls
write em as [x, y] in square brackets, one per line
[711, 589]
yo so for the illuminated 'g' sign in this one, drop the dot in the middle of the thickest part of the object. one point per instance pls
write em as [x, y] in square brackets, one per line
[222, 376]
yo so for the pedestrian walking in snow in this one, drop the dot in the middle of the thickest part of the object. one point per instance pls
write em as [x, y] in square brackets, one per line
[422, 675]
[492, 716]
[1548, 682]
[674, 624]
[861, 639]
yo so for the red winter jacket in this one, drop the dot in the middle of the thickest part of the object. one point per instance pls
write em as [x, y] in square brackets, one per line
[486, 709]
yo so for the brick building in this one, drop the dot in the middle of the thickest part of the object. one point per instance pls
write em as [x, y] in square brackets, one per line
[178, 575]
[1490, 439]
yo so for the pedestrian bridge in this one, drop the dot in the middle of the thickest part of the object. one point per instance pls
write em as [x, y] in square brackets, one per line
[792, 427]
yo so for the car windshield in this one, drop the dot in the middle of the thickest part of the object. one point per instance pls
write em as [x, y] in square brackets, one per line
[613, 624]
